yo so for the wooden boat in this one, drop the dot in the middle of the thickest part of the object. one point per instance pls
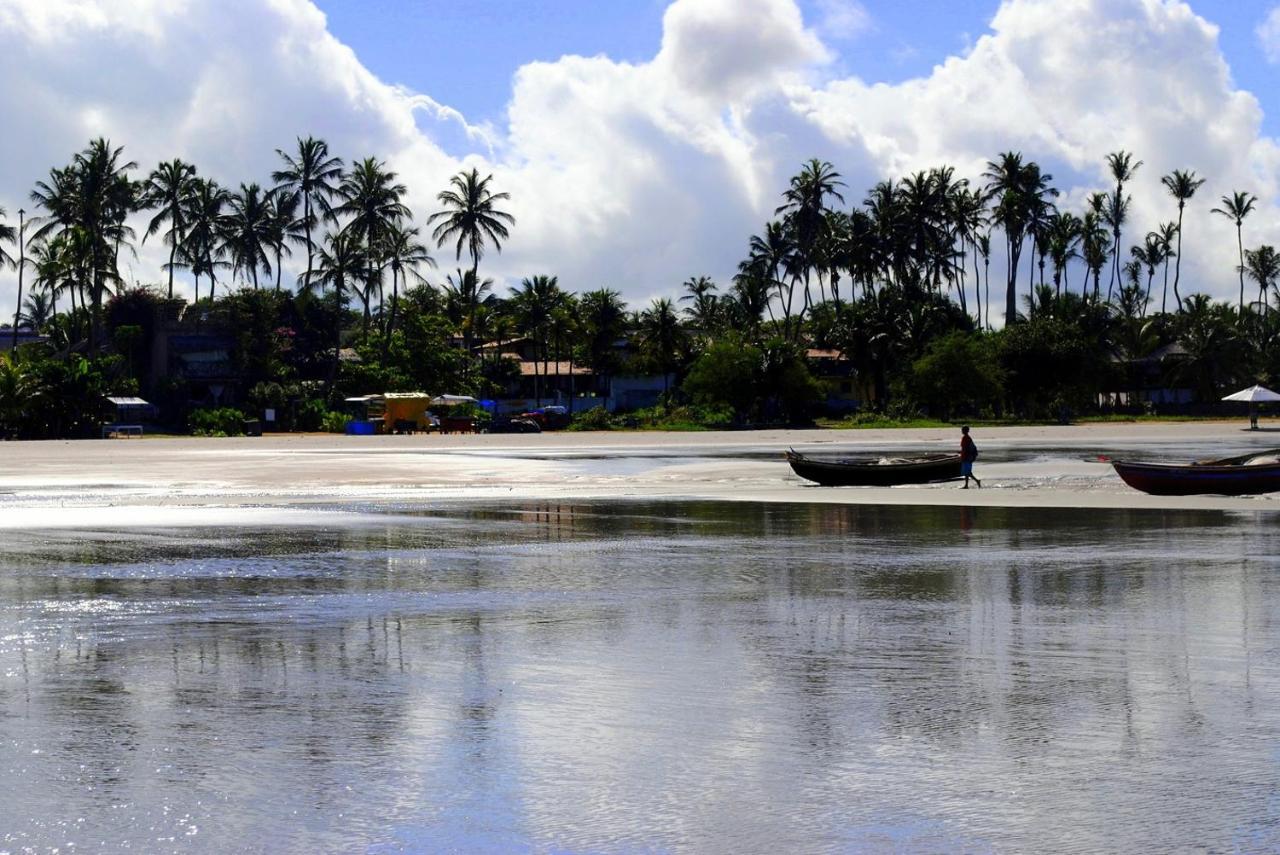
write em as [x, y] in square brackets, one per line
[876, 471]
[1248, 474]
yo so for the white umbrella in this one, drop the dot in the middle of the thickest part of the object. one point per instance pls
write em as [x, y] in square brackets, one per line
[1253, 395]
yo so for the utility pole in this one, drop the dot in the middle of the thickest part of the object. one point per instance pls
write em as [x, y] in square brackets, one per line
[22, 263]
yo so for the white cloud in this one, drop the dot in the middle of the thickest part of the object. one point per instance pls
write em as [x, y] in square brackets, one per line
[1268, 33]
[640, 175]
[843, 19]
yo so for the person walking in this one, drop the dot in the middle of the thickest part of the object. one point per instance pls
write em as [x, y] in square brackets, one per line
[968, 454]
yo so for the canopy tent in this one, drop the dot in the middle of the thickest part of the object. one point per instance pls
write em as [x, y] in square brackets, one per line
[1253, 396]
[451, 400]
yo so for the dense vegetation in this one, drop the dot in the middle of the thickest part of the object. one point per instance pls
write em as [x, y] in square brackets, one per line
[899, 286]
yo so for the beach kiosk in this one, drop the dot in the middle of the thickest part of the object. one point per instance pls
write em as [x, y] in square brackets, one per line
[390, 412]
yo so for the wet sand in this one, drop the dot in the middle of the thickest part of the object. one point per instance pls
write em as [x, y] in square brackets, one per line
[1020, 467]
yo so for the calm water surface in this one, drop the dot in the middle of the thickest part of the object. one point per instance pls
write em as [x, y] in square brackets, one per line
[646, 677]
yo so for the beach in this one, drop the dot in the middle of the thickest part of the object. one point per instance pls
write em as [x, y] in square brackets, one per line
[49, 483]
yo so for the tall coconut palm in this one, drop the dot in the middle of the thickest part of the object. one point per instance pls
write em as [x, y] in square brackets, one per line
[247, 232]
[37, 309]
[169, 189]
[805, 207]
[311, 175]
[704, 309]
[471, 217]
[1063, 234]
[1182, 185]
[534, 301]
[1020, 191]
[283, 227]
[405, 253]
[91, 198]
[9, 235]
[604, 321]
[1262, 265]
[466, 296]
[203, 247]
[1122, 167]
[1114, 213]
[371, 199]
[1166, 234]
[1236, 207]
[1095, 241]
[53, 264]
[661, 338]
[1150, 254]
[984, 249]
[340, 263]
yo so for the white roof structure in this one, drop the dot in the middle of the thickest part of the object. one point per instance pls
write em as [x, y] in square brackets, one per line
[450, 400]
[128, 402]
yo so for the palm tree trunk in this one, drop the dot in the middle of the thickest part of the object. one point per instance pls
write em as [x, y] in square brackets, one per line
[977, 285]
[1164, 297]
[173, 249]
[1011, 295]
[306, 204]
[1240, 245]
[1177, 263]
[279, 272]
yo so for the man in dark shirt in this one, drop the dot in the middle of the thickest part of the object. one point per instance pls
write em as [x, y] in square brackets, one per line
[968, 454]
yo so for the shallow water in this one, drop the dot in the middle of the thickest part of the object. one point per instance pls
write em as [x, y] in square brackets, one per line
[636, 677]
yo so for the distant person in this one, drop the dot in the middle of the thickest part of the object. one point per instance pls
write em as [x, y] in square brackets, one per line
[968, 454]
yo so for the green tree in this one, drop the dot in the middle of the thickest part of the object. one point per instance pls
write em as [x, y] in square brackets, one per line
[247, 232]
[169, 189]
[311, 175]
[1236, 208]
[471, 217]
[1182, 186]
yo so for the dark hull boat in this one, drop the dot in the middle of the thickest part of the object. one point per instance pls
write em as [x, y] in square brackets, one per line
[1234, 476]
[876, 472]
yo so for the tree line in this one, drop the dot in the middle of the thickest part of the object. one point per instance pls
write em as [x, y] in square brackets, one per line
[899, 285]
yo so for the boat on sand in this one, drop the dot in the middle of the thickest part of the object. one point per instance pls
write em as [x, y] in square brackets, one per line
[1249, 474]
[876, 471]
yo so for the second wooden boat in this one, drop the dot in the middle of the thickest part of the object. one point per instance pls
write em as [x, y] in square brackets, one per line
[876, 471]
[1247, 475]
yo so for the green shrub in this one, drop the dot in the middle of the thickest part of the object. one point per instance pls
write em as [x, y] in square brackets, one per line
[596, 418]
[224, 421]
[334, 422]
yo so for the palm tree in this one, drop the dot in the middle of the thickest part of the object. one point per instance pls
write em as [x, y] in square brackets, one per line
[312, 176]
[661, 338]
[805, 208]
[247, 232]
[37, 309]
[984, 249]
[55, 271]
[169, 189]
[1095, 241]
[9, 235]
[405, 253]
[535, 300]
[466, 295]
[1150, 255]
[1021, 190]
[203, 247]
[1181, 186]
[704, 313]
[1122, 167]
[92, 199]
[340, 262]
[371, 197]
[604, 322]
[283, 227]
[471, 217]
[1236, 207]
[1262, 265]
[1165, 234]
[1062, 236]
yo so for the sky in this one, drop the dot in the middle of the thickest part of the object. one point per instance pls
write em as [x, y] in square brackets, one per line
[643, 142]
